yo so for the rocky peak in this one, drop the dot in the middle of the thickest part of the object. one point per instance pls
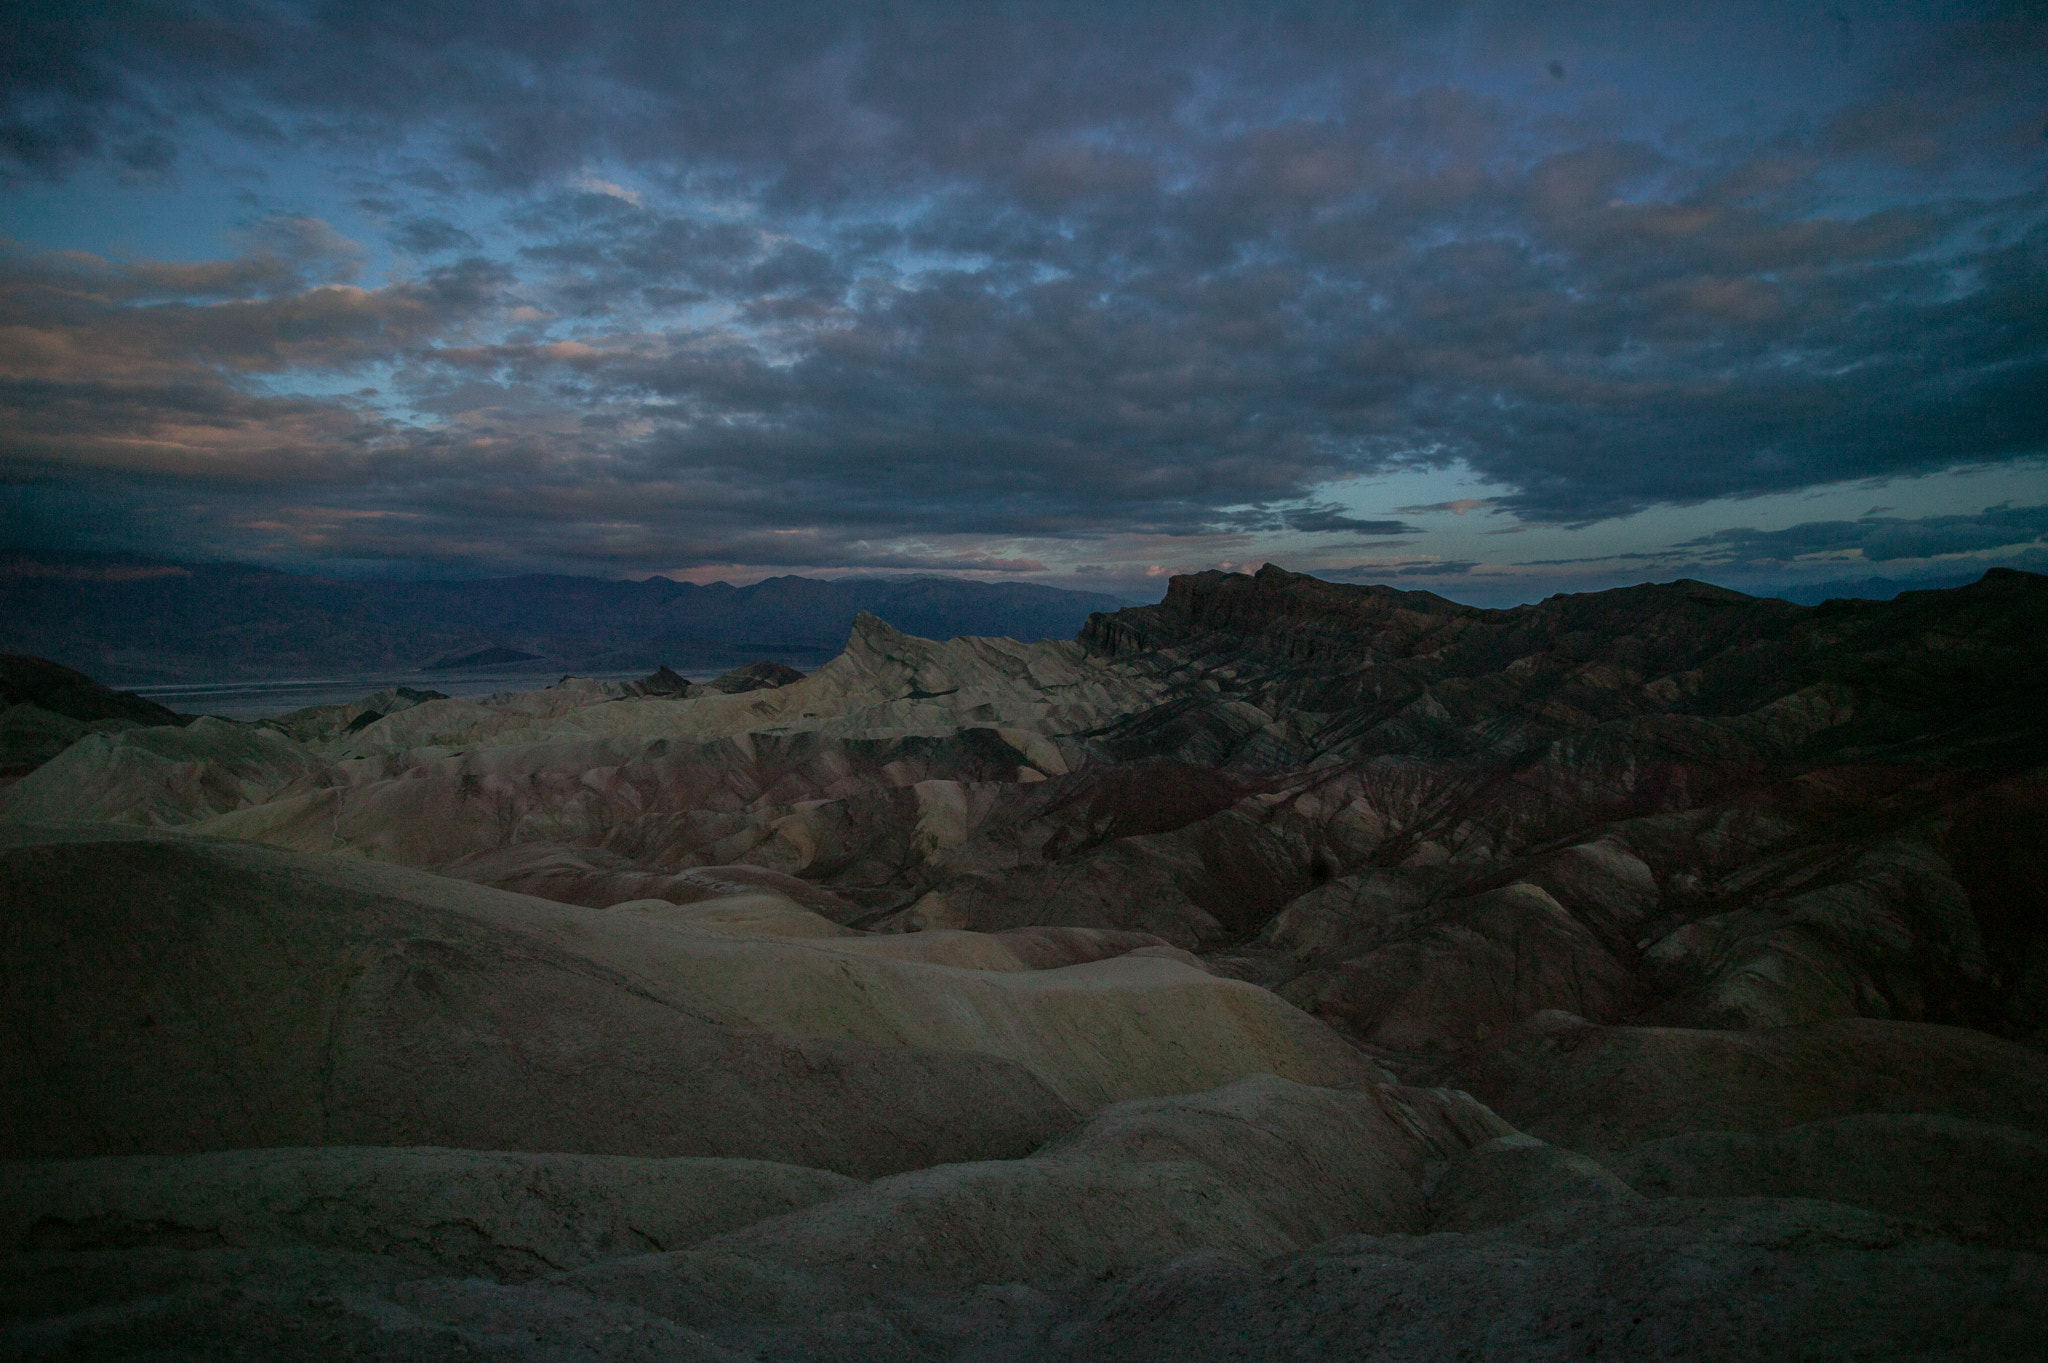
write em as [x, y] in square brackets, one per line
[1287, 614]
[761, 676]
[877, 649]
[663, 681]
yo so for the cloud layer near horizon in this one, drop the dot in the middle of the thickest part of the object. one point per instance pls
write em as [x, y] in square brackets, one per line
[942, 287]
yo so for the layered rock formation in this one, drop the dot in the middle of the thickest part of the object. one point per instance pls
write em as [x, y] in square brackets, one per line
[1650, 972]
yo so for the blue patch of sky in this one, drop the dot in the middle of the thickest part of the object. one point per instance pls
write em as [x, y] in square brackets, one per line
[1637, 546]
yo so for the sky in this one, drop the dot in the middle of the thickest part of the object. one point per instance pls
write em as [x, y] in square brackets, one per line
[1494, 300]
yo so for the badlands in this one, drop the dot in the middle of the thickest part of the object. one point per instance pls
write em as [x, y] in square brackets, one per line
[1288, 970]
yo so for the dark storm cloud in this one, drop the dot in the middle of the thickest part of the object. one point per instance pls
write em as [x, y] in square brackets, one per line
[896, 273]
[1881, 539]
[1331, 519]
[1457, 508]
[432, 235]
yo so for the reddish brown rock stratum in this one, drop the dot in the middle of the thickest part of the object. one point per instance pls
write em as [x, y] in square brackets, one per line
[1659, 972]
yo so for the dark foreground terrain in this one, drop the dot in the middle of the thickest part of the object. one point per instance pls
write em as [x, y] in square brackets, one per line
[1289, 970]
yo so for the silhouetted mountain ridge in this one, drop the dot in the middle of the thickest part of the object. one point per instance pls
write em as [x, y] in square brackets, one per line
[132, 620]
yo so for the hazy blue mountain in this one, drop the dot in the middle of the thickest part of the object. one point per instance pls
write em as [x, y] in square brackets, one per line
[1869, 588]
[134, 620]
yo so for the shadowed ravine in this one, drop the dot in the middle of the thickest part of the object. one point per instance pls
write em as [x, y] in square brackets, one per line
[1288, 970]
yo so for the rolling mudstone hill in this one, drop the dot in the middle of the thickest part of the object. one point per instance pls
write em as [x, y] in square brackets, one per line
[1285, 970]
[45, 708]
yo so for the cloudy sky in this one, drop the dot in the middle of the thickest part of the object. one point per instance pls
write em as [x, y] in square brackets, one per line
[1498, 300]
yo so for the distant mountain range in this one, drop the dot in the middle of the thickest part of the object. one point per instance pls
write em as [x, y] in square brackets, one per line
[1869, 588]
[134, 621]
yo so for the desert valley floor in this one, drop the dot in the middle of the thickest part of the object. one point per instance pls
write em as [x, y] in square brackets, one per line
[1285, 971]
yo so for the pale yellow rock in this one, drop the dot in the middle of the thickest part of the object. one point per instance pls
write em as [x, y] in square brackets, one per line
[960, 950]
[1097, 1032]
[159, 776]
[583, 765]
[886, 684]
[166, 994]
[738, 915]
[1100, 1032]
[949, 812]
